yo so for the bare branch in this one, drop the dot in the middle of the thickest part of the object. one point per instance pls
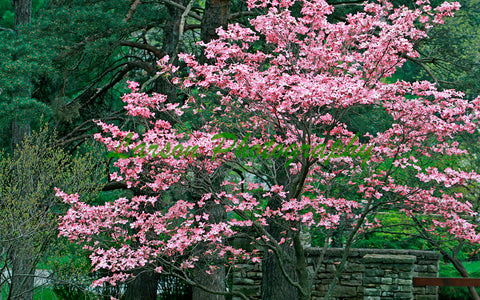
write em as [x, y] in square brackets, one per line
[250, 13]
[7, 29]
[192, 26]
[348, 3]
[77, 138]
[131, 11]
[157, 52]
[181, 29]
[421, 64]
[179, 6]
[117, 78]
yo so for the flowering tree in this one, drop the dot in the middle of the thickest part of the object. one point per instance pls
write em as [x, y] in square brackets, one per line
[285, 87]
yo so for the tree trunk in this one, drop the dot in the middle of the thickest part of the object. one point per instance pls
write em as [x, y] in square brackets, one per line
[461, 269]
[23, 15]
[23, 11]
[19, 132]
[171, 34]
[216, 280]
[144, 286]
[274, 283]
[23, 274]
[216, 15]
[23, 266]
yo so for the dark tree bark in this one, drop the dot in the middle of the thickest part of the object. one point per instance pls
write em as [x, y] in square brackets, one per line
[274, 284]
[144, 286]
[23, 266]
[216, 280]
[23, 11]
[23, 15]
[23, 272]
[216, 15]
[19, 131]
[171, 32]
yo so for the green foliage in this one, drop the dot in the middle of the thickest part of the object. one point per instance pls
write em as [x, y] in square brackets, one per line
[457, 293]
[54, 65]
[453, 50]
[7, 14]
[397, 232]
[28, 207]
[69, 292]
[21, 64]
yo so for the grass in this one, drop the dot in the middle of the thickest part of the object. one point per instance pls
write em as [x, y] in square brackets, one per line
[460, 293]
[44, 293]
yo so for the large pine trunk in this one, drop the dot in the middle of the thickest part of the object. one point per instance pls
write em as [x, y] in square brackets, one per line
[23, 11]
[216, 15]
[23, 266]
[19, 132]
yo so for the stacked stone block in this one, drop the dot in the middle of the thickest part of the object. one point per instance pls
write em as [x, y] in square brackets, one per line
[247, 279]
[388, 277]
[427, 265]
[373, 274]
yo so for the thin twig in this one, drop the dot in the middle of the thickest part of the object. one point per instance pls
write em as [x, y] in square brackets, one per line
[181, 30]
[7, 29]
[190, 13]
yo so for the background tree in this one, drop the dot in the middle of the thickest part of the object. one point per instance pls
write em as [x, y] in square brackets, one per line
[28, 208]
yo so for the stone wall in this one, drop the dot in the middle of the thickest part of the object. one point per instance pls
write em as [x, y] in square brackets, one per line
[370, 274]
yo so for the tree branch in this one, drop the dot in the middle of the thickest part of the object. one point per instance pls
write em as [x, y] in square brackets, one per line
[114, 185]
[7, 29]
[348, 3]
[250, 13]
[421, 62]
[117, 78]
[179, 6]
[181, 29]
[131, 11]
[157, 52]
[81, 137]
